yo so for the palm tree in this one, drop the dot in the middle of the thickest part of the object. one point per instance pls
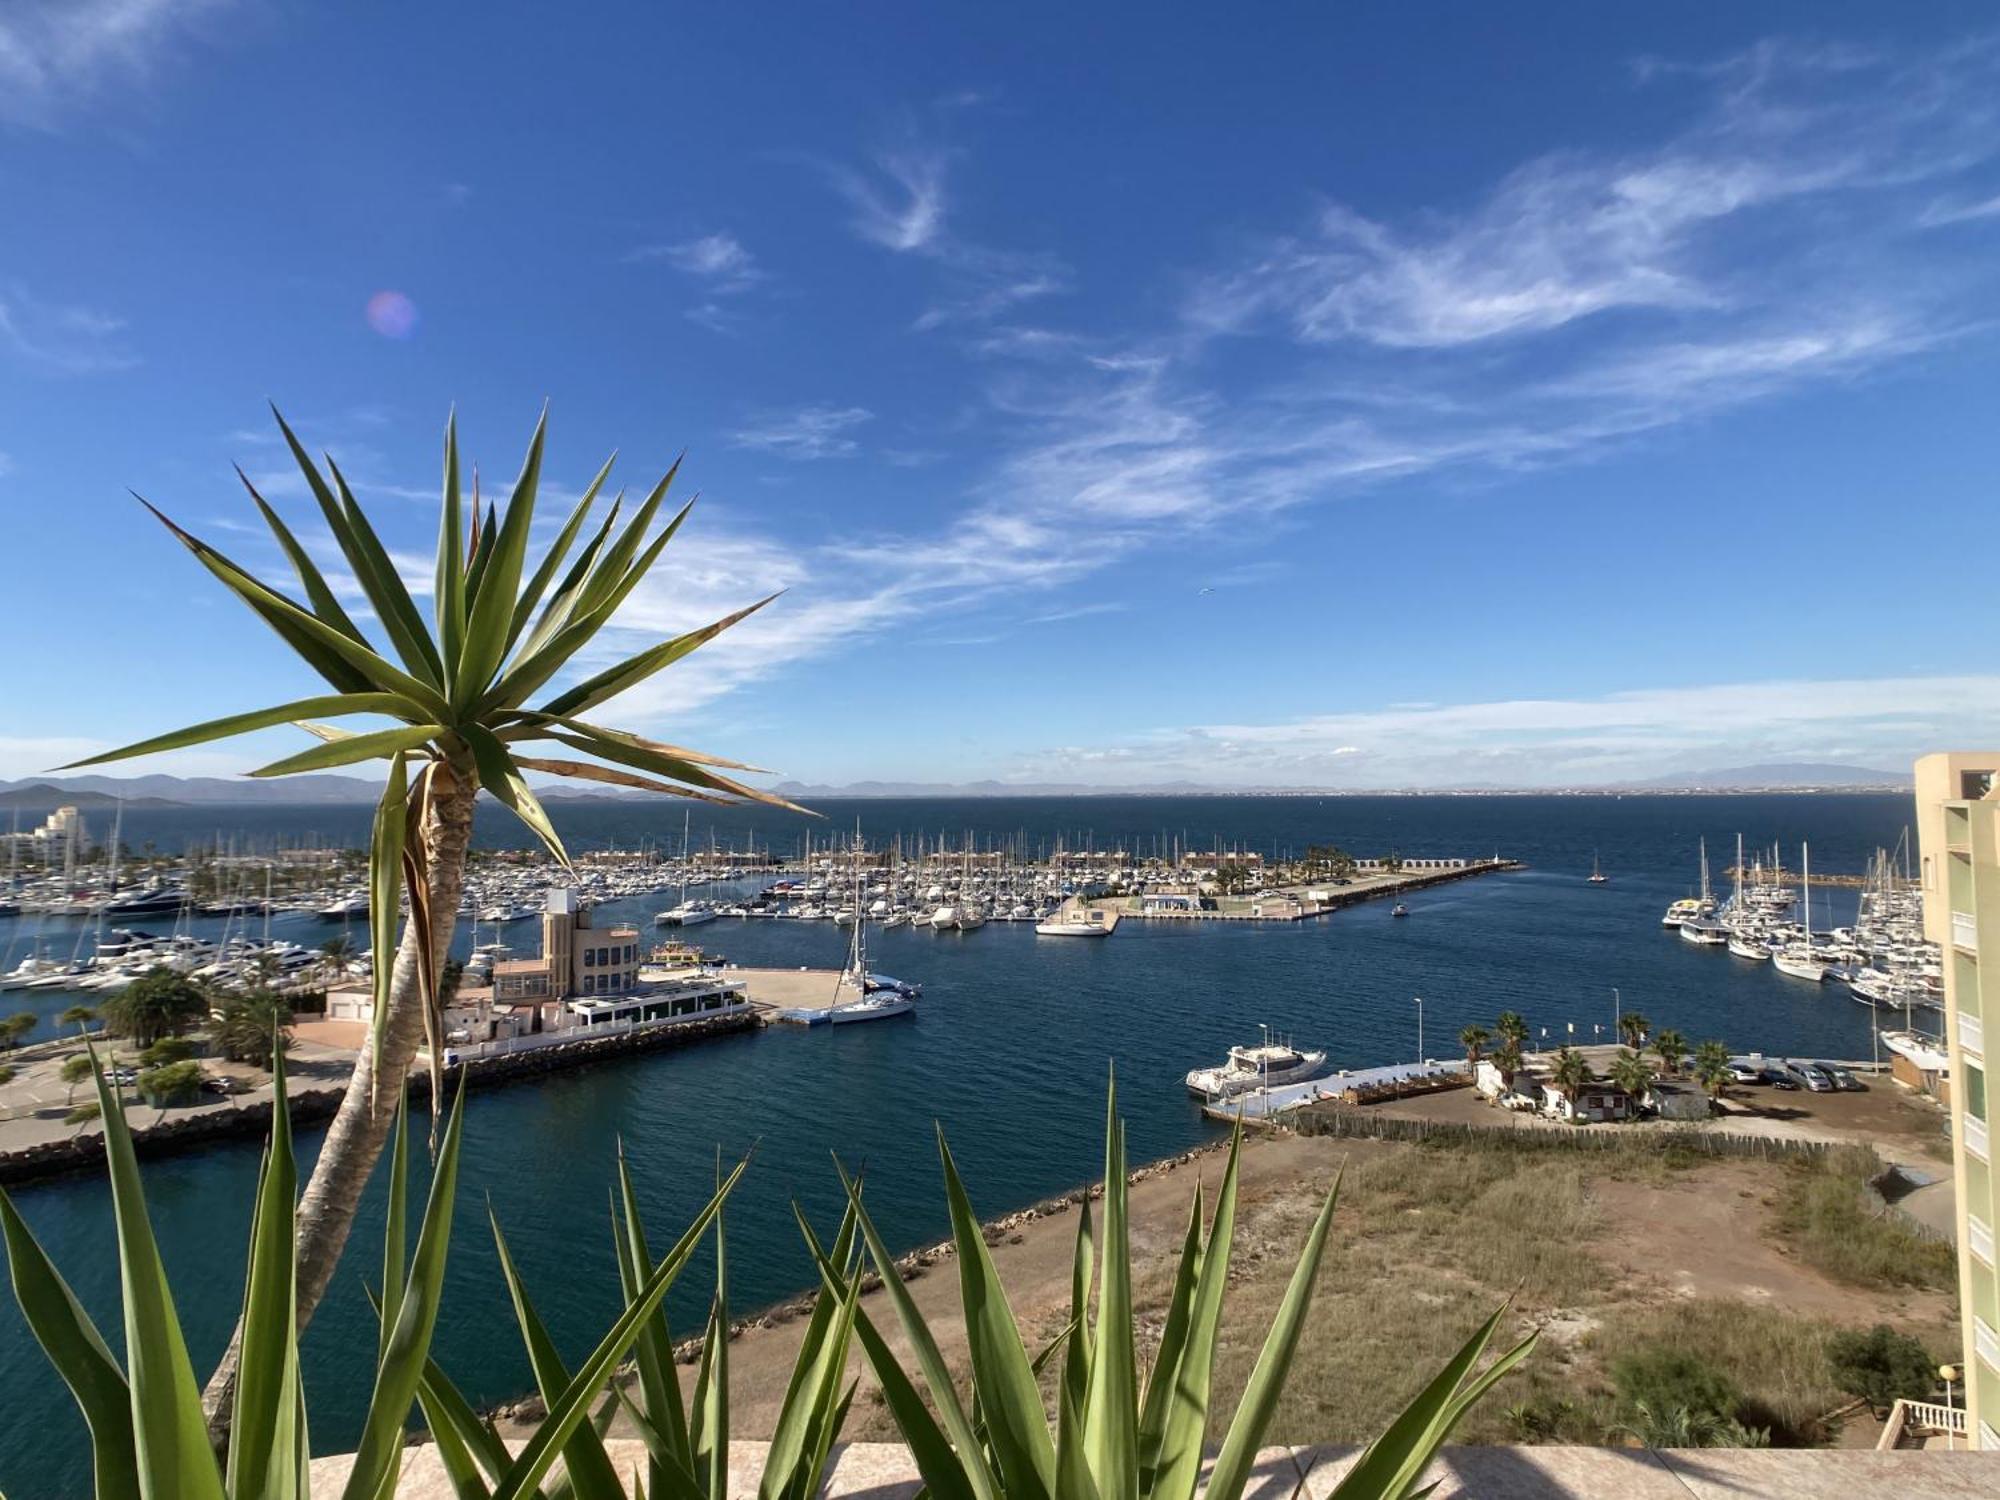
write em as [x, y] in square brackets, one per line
[1632, 1073]
[1711, 1067]
[1474, 1039]
[74, 1071]
[79, 1016]
[161, 1003]
[1570, 1071]
[335, 954]
[1671, 1047]
[1632, 1028]
[1507, 1058]
[458, 696]
[1512, 1027]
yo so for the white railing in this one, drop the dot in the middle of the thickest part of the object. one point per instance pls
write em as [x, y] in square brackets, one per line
[1971, 1035]
[1908, 1418]
[1964, 931]
[536, 1040]
[1979, 1237]
[1976, 1140]
[1985, 1342]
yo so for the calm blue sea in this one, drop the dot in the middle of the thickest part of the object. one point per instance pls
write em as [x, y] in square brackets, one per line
[1013, 1043]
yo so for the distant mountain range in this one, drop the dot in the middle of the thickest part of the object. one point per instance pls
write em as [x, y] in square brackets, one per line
[1784, 775]
[42, 795]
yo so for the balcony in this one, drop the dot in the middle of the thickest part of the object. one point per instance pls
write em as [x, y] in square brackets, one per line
[1964, 932]
[1976, 1139]
[1986, 1343]
[1979, 1237]
[1971, 1035]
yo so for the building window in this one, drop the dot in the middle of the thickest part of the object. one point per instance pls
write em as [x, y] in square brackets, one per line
[589, 957]
[1975, 1091]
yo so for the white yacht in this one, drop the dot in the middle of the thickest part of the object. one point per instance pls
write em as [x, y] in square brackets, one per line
[353, 904]
[1260, 1066]
[1091, 921]
[944, 918]
[687, 914]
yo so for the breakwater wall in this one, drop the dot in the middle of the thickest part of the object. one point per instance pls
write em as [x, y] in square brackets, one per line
[174, 1133]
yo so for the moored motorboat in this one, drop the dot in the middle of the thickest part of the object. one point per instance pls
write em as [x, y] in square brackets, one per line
[1267, 1064]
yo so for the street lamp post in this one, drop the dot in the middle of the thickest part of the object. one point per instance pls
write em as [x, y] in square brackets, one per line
[1420, 1027]
[1617, 1012]
[1949, 1375]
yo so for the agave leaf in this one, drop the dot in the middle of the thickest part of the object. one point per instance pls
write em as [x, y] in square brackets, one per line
[538, 584]
[266, 1449]
[77, 1350]
[979, 1476]
[262, 718]
[1267, 1378]
[669, 1478]
[711, 1431]
[530, 724]
[489, 625]
[499, 775]
[395, 1268]
[560, 609]
[379, 744]
[1166, 1372]
[445, 1408]
[654, 1350]
[385, 873]
[448, 581]
[610, 581]
[1111, 1407]
[792, 1433]
[369, 560]
[318, 592]
[583, 770]
[481, 544]
[669, 766]
[634, 670]
[615, 569]
[573, 1405]
[1396, 1460]
[590, 1470]
[944, 1476]
[1177, 1463]
[378, 1455]
[169, 1430]
[1008, 1393]
[1071, 1474]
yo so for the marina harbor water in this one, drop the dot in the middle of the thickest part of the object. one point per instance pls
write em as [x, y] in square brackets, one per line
[1013, 1029]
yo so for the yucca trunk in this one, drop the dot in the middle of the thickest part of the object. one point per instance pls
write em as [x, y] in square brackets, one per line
[367, 1111]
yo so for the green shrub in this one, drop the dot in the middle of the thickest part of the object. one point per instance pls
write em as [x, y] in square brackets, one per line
[1662, 1379]
[1882, 1365]
[168, 1049]
[171, 1083]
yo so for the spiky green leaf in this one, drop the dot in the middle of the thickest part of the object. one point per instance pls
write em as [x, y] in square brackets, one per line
[500, 776]
[334, 704]
[352, 749]
[267, 1452]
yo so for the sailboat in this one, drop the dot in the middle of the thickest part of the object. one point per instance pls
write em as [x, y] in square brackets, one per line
[1698, 924]
[687, 914]
[877, 996]
[1597, 876]
[1798, 959]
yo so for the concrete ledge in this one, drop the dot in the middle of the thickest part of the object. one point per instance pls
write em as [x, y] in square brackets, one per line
[883, 1471]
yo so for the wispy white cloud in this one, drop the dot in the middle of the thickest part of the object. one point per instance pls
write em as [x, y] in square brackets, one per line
[57, 56]
[718, 260]
[813, 432]
[59, 338]
[900, 203]
[1878, 723]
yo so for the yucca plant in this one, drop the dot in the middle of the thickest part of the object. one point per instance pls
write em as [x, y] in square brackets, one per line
[149, 1433]
[686, 1441]
[461, 705]
[1116, 1437]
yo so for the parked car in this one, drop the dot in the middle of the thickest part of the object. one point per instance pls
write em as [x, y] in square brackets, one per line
[1778, 1078]
[1742, 1071]
[1813, 1077]
[1842, 1078]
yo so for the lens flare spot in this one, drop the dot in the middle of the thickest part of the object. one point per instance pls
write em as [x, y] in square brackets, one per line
[392, 315]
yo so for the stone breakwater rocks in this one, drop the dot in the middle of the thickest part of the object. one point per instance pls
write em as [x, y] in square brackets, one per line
[310, 1103]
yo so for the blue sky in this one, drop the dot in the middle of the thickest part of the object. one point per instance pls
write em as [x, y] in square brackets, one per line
[1346, 396]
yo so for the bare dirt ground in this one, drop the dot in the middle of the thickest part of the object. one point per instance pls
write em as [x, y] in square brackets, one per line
[1426, 1242]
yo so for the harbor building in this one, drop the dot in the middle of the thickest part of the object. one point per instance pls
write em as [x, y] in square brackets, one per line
[1958, 820]
[589, 981]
